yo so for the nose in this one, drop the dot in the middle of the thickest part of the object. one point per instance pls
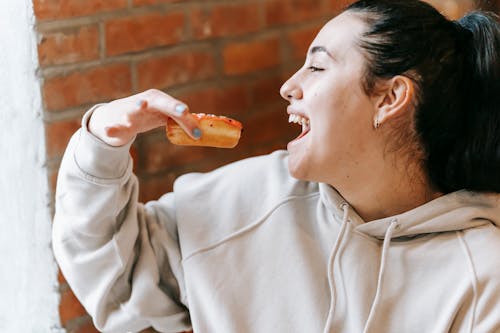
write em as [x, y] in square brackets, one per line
[291, 90]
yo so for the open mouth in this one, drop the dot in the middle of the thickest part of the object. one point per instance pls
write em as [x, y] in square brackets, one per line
[297, 119]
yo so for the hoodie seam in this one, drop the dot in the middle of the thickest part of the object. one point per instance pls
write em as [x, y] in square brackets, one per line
[249, 227]
[473, 276]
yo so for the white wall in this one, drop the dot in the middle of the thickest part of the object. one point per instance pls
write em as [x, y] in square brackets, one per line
[28, 273]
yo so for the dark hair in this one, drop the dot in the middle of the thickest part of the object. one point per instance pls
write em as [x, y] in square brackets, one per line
[455, 66]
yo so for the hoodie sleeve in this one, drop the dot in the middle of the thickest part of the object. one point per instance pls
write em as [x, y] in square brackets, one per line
[120, 258]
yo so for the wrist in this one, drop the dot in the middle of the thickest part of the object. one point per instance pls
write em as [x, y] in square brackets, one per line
[99, 125]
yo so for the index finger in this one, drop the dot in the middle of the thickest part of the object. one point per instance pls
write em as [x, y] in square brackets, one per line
[175, 109]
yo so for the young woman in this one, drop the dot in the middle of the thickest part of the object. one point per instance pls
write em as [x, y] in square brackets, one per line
[382, 216]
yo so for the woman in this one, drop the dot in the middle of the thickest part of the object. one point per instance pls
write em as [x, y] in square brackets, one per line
[382, 216]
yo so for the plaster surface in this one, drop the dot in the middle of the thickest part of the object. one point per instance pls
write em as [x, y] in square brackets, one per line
[28, 273]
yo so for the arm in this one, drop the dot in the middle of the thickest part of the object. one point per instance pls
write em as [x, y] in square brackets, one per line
[120, 258]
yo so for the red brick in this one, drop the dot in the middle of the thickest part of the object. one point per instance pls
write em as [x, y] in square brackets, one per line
[69, 307]
[152, 2]
[162, 155]
[152, 188]
[86, 327]
[230, 100]
[336, 6]
[285, 11]
[454, 10]
[218, 158]
[299, 41]
[89, 86]
[134, 153]
[149, 330]
[138, 33]
[266, 91]
[225, 20]
[175, 69]
[269, 148]
[247, 57]
[268, 126]
[58, 135]
[62, 47]
[60, 277]
[56, 9]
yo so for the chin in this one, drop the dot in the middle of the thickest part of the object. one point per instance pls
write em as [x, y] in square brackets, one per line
[302, 157]
[297, 167]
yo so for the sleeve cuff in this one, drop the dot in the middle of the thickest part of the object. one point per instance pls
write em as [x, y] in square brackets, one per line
[97, 158]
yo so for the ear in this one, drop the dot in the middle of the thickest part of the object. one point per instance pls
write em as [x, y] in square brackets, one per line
[393, 99]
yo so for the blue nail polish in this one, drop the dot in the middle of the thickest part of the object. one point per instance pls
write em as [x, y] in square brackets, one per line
[197, 133]
[180, 108]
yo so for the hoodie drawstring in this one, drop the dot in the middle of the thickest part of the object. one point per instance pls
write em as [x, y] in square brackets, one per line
[331, 283]
[385, 247]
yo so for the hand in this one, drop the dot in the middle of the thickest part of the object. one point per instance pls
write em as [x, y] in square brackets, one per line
[117, 122]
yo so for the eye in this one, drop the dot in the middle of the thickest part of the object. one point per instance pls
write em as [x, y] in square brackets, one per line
[314, 69]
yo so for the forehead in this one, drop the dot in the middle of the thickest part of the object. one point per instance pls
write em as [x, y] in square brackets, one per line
[341, 34]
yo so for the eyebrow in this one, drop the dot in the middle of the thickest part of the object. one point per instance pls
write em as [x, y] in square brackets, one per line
[316, 49]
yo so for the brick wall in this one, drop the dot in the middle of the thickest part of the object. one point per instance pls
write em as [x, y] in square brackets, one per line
[219, 56]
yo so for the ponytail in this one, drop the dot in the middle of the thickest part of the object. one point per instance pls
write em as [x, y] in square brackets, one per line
[474, 161]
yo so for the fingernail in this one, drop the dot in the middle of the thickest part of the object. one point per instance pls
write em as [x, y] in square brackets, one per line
[197, 133]
[180, 108]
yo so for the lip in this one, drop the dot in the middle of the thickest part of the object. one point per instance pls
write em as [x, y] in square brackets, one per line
[297, 141]
[291, 110]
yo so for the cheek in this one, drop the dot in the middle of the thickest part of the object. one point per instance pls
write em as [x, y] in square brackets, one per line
[340, 121]
[327, 110]
[333, 94]
[338, 105]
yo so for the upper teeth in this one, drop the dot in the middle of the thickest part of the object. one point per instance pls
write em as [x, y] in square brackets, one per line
[295, 118]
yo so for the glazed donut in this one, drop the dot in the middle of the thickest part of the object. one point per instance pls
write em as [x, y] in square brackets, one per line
[217, 131]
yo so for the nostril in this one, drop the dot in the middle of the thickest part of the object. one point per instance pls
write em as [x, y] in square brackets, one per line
[295, 94]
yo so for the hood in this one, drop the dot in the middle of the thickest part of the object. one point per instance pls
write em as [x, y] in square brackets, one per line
[451, 212]
[455, 211]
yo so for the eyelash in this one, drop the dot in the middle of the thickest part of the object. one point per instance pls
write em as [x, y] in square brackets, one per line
[314, 69]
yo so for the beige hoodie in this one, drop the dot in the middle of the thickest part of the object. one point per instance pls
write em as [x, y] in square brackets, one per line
[247, 248]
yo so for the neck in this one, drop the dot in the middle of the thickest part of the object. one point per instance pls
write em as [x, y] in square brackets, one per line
[389, 192]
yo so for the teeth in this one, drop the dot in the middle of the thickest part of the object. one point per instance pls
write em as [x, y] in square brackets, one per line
[295, 118]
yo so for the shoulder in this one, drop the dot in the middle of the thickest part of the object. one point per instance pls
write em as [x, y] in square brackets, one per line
[210, 206]
[484, 244]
